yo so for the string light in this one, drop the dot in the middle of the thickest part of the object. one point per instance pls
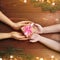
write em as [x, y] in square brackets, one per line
[42, 0]
[53, 3]
[41, 59]
[11, 56]
[25, 1]
[48, 1]
[47, 5]
[37, 58]
[52, 56]
[0, 58]
[37, 0]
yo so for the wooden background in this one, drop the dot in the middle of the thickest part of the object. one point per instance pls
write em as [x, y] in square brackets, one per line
[16, 10]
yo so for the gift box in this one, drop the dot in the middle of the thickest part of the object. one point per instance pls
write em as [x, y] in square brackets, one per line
[28, 30]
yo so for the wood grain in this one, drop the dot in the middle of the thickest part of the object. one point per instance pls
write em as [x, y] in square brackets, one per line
[18, 11]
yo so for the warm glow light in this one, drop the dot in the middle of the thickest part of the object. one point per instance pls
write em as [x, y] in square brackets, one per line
[25, 1]
[37, 0]
[48, 1]
[41, 59]
[0, 58]
[57, 20]
[11, 56]
[42, 0]
[53, 3]
[52, 56]
[37, 58]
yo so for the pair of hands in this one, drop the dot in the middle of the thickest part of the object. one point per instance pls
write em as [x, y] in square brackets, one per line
[20, 36]
[38, 30]
[17, 26]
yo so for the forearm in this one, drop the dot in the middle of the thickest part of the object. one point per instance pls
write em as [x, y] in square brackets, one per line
[5, 35]
[6, 20]
[52, 29]
[50, 43]
[46, 41]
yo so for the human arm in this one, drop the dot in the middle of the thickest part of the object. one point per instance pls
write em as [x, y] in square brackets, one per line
[6, 20]
[46, 41]
[14, 25]
[14, 35]
[48, 29]
[5, 35]
[51, 29]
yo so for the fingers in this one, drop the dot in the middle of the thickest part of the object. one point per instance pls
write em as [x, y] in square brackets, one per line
[40, 28]
[33, 40]
[24, 22]
[19, 37]
[23, 39]
[21, 25]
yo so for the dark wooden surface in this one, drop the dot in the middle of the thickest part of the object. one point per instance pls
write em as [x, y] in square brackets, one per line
[36, 49]
[16, 10]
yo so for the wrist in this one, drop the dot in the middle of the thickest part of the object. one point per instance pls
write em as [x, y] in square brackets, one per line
[9, 35]
[46, 30]
[43, 31]
[14, 26]
[5, 35]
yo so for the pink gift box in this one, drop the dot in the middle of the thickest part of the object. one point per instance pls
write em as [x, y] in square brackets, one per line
[27, 30]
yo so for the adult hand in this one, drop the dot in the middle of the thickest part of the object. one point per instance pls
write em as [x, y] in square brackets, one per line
[34, 38]
[18, 25]
[39, 29]
[18, 36]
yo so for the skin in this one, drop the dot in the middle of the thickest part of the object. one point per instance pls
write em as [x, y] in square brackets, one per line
[46, 41]
[48, 29]
[15, 26]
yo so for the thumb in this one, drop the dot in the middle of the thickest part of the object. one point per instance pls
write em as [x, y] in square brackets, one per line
[33, 41]
[39, 27]
[22, 36]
